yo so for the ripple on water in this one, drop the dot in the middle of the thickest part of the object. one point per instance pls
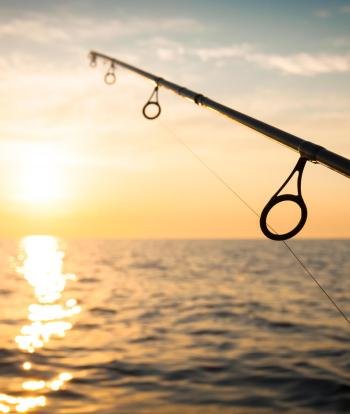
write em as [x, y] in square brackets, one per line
[216, 327]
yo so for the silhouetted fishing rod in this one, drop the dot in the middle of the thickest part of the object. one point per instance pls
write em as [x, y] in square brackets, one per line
[308, 150]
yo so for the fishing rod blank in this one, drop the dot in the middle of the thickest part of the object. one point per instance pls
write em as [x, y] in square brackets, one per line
[308, 150]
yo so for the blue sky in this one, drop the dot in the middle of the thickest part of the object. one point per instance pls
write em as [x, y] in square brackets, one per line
[267, 29]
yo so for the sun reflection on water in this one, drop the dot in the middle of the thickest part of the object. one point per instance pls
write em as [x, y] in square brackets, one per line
[42, 263]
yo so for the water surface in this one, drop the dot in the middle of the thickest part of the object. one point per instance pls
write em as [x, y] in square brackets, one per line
[172, 326]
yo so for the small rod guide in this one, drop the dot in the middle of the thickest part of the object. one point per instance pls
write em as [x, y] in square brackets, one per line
[307, 149]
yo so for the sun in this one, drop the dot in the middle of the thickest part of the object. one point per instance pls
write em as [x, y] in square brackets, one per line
[40, 176]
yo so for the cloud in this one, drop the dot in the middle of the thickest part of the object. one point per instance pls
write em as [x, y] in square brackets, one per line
[325, 13]
[45, 29]
[302, 64]
[322, 13]
[343, 41]
[166, 49]
[224, 52]
[345, 9]
[34, 29]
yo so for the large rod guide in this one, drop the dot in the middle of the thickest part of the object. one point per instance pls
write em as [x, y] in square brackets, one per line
[308, 150]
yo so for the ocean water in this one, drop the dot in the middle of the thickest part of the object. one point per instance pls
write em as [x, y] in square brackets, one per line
[172, 327]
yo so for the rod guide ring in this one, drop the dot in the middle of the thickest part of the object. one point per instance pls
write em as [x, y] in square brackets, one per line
[148, 105]
[277, 198]
[93, 60]
[272, 203]
[110, 78]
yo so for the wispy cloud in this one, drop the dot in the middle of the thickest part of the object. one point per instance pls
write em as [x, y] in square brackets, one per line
[345, 9]
[322, 13]
[341, 41]
[325, 13]
[37, 30]
[167, 50]
[302, 64]
[45, 29]
[240, 50]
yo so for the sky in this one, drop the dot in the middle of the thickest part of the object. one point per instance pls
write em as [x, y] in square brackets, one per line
[77, 158]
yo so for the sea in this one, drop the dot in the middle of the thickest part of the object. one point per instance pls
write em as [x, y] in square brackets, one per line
[173, 326]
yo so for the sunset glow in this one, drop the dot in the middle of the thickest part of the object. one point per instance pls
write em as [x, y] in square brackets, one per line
[80, 160]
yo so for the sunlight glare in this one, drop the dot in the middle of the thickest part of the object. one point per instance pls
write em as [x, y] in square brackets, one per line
[41, 176]
[42, 268]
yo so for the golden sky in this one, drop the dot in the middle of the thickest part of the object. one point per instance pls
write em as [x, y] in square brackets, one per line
[77, 158]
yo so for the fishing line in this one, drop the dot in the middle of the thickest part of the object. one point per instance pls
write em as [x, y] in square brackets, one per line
[243, 201]
[308, 152]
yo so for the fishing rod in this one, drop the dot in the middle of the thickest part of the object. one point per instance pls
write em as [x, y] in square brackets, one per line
[308, 150]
